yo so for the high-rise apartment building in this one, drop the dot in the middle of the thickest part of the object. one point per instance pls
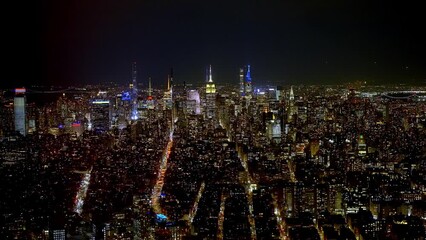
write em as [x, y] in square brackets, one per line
[134, 115]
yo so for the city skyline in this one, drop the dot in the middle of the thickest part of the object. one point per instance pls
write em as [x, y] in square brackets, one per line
[68, 43]
[232, 162]
[184, 119]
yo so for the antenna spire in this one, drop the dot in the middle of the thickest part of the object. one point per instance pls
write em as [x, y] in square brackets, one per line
[210, 74]
[149, 87]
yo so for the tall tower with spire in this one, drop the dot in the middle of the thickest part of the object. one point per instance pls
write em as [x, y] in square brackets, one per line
[246, 89]
[168, 95]
[291, 109]
[149, 88]
[242, 83]
[170, 83]
[168, 100]
[247, 82]
[291, 96]
[134, 84]
[210, 95]
[150, 99]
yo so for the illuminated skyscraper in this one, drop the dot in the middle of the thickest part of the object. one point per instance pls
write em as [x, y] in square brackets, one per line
[59, 234]
[171, 83]
[193, 102]
[150, 100]
[100, 115]
[246, 89]
[242, 83]
[291, 96]
[210, 96]
[168, 108]
[247, 82]
[20, 111]
[362, 147]
[168, 97]
[134, 114]
[290, 105]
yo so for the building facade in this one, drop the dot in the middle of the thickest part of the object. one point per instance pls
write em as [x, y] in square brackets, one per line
[19, 104]
[210, 96]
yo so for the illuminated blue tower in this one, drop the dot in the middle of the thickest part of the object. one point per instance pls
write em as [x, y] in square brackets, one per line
[247, 82]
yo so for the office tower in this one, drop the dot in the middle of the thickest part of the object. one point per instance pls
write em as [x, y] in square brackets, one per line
[290, 105]
[134, 114]
[242, 83]
[167, 97]
[280, 90]
[362, 147]
[246, 88]
[171, 83]
[210, 96]
[150, 99]
[273, 130]
[58, 234]
[247, 82]
[7, 123]
[168, 108]
[193, 102]
[142, 218]
[100, 115]
[19, 104]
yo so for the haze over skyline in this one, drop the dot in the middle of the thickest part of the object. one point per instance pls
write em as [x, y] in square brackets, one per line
[286, 42]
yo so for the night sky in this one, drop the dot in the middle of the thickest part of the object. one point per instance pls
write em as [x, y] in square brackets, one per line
[286, 42]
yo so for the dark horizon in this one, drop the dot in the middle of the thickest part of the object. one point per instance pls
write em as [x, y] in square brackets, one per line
[285, 42]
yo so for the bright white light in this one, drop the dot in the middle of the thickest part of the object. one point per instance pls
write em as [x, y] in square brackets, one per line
[100, 102]
[81, 193]
[134, 115]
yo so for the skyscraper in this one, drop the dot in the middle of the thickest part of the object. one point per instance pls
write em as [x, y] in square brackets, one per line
[242, 83]
[290, 105]
[100, 116]
[210, 95]
[150, 100]
[168, 97]
[171, 83]
[247, 82]
[362, 147]
[134, 114]
[246, 89]
[193, 102]
[19, 104]
[168, 108]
